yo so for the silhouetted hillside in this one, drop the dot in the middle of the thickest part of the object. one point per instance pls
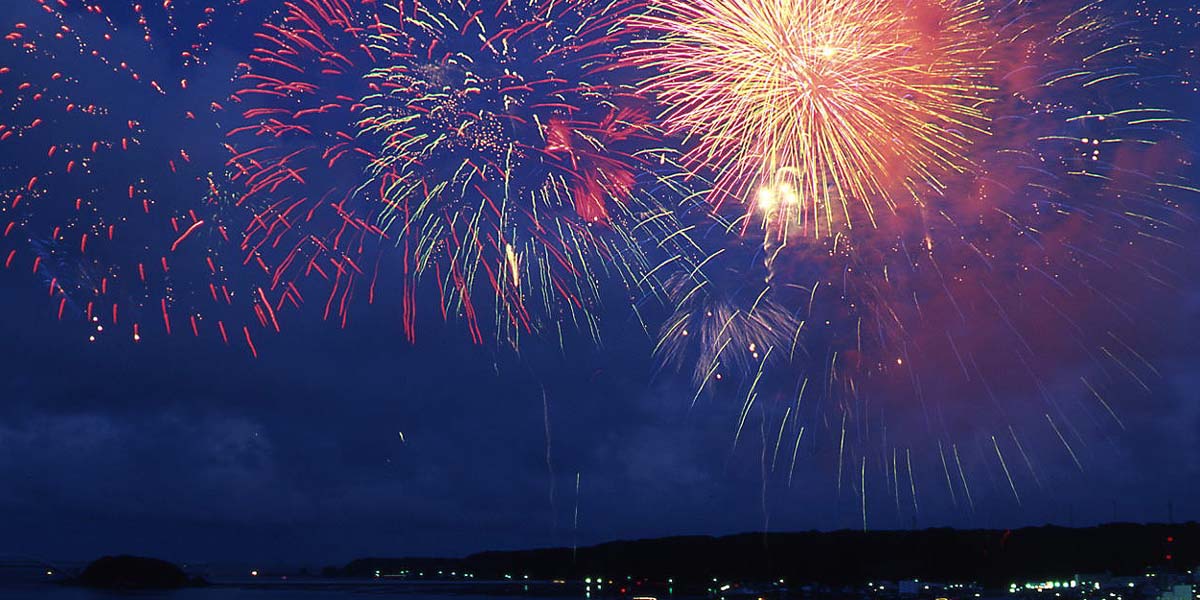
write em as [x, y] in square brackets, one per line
[994, 557]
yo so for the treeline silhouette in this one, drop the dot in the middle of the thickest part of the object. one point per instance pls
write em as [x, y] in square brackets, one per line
[990, 557]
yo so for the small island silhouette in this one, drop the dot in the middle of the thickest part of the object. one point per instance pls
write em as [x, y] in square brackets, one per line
[133, 573]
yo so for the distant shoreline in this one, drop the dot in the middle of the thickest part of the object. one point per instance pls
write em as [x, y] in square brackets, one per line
[988, 556]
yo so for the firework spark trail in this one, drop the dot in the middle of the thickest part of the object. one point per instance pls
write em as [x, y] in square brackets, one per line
[1004, 465]
[863, 491]
[946, 470]
[912, 482]
[779, 437]
[575, 520]
[552, 483]
[795, 451]
[963, 477]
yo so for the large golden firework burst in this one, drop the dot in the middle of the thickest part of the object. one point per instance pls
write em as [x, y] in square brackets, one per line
[814, 113]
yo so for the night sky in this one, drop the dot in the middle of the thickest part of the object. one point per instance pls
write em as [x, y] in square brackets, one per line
[339, 443]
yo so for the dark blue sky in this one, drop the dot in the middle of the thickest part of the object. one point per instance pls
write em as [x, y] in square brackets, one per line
[195, 452]
[192, 451]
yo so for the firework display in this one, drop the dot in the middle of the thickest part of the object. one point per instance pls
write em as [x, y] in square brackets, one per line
[897, 230]
[826, 109]
[99, 203]
[295, 158]
[491, 157]
[511, 163]
[931, 298]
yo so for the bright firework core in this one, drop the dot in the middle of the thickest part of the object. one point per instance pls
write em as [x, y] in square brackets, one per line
[818, 113]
